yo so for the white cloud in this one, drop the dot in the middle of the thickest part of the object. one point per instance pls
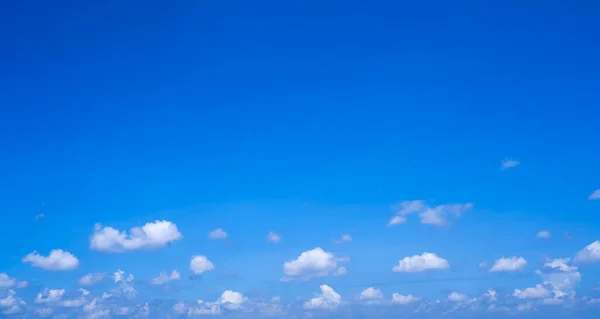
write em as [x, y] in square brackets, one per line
[418, 263]
[49, 296]
[589, 254]
[200, 264]
[232, 299]
[119, 276]
[328, 299]
[490, 295]
[509, 264]
[457, 297]
[217, 234]
[509, 163]
[595, 195]
[91, 279]
[273, 237]
[403, 299]
[560, 264]
[205, 308]
[312, 263]
[438, 215]
[163, 278]
[150, 236]
[22, 284]
[6, 281]
[525, 306]
[543, 234]
[344, 239]
[57, 260]
[371, 293]
[537, 292]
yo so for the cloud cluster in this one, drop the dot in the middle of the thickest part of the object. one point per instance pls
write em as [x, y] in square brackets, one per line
[150, 236]
[436, 215]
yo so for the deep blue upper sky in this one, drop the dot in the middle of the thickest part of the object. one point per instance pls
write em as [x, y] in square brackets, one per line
[308, 118]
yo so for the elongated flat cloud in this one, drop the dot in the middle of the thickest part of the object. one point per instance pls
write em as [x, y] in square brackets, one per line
[91, 279]
[543, 234]
[509, 264]
[217, 234]
[150, 236]
[58, 259]
[439, 215]
[403, 299]
[418, 263]
[163, 278]
[509, 163]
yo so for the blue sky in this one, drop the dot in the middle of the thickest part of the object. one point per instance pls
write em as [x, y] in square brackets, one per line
[472, 125]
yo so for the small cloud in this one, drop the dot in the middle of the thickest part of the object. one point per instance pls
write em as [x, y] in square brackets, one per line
[397, 220]
[91, 279]
[39, 216]
[58, 259]
[589, 254]
[403, 299]
[439, 215]
[273, 237]
[483, 265]
[217, 234]
[595, 195]
[509, 163]
[536, 292]
[200, 264]
[508, 264]
[163, 278]
[6, 281]
[328, 299]
[344, 239]
[419, 263]
[457, 297]
[313, 263]
[150, 236]
[543, 234]
[371, 294]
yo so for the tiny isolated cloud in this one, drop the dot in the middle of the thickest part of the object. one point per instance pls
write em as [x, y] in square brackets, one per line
[371, 294]
[403, 299]
[152, 235]
[595, 195]
[313, 263]
[91, 279]
[589, 254]
[509, 163]
[509, 264]
[536, 292]
[543, 234]
[58, 259]
[328, 299]
[200, 264]
[164, 278]
[273, 237]
[346, 238]
[218, 233]
[457, 297]
[432, 215]
[419, 263]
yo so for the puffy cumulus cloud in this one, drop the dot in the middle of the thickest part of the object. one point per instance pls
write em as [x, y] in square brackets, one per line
[403, 299]
[232, 299]
[6, 281]
[119, 276]
[217, 234]
[432, 215]
[509, 163]
[49, 296]
[150, 236]
[595, 195]
[163, 278]
[543, 234]
[273, 237]
[200, 264]
[11, 304]
[509, 264]
[371, 294]
[313, 263]
[91, 279]
[328, 299]
[418, 263]
[344, 239]
[536, 292]
[589, 254]
[457, 297]
[57, 260]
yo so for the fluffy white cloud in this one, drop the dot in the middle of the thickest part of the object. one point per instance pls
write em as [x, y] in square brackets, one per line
[403, 299]
[560, 264]
[150, 236]
[344, 239]
[49, 296]
[509, 264]
[509, 163]
[457, 297]
[595, 195]
[57, 260]
[438, 215]
[371, 293]
[163, 278]
[418, 263]
[312, 263]
[273, 237]
[543, 234]
[217, 234]
[119, 276]
[232, 299]
[91, 279]
[537, 292]
[328, 299]
[6, 281]
[589, 254]
[205, 308]
[200, 264]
